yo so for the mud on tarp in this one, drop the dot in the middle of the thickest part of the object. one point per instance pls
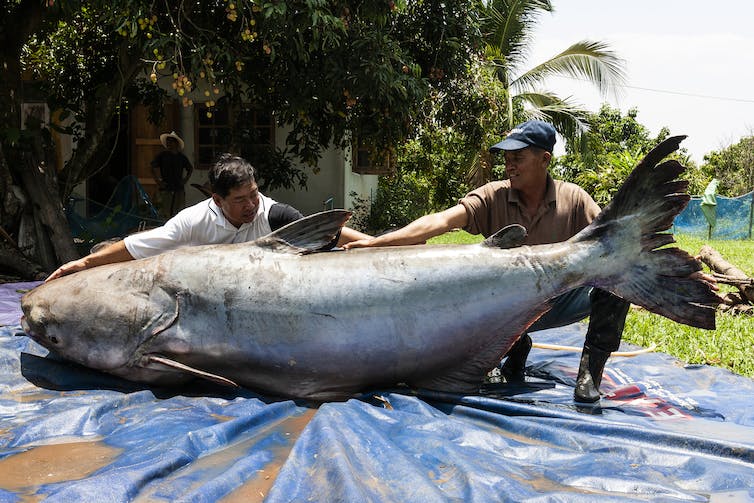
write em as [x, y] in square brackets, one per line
[666, 432]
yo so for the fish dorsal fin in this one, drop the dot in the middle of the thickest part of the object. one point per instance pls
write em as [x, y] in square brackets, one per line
[509, 236]
[172, 364]
[309, 234]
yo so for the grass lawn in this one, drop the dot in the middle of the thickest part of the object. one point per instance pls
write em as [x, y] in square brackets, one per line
[730, 346]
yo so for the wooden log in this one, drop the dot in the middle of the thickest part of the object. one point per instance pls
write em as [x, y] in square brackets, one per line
[732, 298]
[718, 264]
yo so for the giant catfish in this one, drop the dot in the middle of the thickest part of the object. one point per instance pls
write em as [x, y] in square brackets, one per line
[273, 317]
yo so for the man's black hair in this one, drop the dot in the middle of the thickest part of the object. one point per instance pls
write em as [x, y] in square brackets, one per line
[228, 172]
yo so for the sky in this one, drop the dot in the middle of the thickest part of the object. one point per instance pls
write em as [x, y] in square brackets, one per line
[689, 64]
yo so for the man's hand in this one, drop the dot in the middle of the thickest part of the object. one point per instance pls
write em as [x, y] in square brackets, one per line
[359, 243]
[115, 252]
[707, 278]
[69, 268]
[710, 280]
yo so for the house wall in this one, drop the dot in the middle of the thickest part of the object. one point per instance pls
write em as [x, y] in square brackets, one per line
[335, 180]
[198, 176]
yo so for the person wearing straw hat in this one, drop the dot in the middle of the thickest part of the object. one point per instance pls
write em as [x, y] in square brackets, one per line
[168, 168]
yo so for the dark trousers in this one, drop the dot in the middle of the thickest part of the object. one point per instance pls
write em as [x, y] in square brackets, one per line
[607, 314]
[171, 202]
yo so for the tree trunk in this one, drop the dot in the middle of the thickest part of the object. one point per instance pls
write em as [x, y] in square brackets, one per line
[40, 181]
[14, 261]
[24, 178]
[717, 263]
[23, 166]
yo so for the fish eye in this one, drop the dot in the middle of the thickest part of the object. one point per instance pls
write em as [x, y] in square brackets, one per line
[53, 339]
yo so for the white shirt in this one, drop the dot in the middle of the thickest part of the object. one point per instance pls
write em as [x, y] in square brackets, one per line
[201, 224]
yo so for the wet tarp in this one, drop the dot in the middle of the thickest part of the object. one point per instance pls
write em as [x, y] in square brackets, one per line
[665, 432]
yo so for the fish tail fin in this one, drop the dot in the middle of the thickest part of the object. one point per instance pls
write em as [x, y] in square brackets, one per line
[632, 228]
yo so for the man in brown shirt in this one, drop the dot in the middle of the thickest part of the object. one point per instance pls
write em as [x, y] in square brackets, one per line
[551, 211]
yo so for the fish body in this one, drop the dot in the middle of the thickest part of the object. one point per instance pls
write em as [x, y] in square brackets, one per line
[273, 317]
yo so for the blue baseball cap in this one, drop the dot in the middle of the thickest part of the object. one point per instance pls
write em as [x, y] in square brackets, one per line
[530, 133]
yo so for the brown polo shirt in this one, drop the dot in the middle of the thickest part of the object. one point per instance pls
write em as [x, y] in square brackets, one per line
[566, 209]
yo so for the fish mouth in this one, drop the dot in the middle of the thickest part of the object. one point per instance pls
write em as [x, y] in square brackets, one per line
[29, 332]
[25, 327]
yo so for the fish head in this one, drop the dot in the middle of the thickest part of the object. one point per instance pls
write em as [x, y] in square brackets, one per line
[80, 322]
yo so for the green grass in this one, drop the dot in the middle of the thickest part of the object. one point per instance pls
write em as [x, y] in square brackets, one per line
[456, 237]
[730, 345]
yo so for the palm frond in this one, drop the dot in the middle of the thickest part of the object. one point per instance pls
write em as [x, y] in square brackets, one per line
[591, 61]
[508, 26]
[567, 116]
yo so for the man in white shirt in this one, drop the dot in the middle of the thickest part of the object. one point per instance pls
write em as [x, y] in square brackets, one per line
[235, 213]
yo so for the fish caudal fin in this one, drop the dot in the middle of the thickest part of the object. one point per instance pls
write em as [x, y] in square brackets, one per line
[633, 227]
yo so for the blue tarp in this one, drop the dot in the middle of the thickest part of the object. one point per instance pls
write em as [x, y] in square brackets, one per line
[665, 432]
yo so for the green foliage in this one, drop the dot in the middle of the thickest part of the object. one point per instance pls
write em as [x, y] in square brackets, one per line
[400, 199]
[331, 70]
[68, 60]
[435, 167]
[610, 150]
[733, 166]
[603, 183]
[430, 176]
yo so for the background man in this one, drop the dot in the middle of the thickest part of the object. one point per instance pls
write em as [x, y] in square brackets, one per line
[235, 213]
[551, 211]
[168, 169]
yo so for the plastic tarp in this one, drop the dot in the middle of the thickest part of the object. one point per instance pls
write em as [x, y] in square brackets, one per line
[664, 432]
[709, 203]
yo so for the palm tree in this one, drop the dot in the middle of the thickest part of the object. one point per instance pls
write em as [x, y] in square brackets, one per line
[508, 28]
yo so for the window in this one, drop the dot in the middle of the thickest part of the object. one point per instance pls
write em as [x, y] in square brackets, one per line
[366, 162]
[216, 135]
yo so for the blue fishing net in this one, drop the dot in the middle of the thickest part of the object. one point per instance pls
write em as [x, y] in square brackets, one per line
[128, 210]
[732, 218]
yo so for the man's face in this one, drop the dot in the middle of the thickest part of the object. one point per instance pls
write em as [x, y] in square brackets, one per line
[527, 168]
[240, 205]
[173, 144]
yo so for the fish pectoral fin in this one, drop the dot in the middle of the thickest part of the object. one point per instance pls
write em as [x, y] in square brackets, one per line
[509, 236]
[161, 360]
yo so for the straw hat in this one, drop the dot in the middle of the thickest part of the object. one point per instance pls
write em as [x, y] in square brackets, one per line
[164, 139]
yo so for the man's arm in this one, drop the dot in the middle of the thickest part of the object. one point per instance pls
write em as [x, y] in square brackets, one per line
[189, 170]
[154, 165]
[116, 252]
[348, 235]
[420, 230]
